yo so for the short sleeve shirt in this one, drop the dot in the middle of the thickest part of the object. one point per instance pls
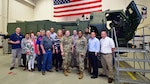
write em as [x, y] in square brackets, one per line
[38, 42]
[106, 45]
[14, 37]
[47, 42]
[53, 35]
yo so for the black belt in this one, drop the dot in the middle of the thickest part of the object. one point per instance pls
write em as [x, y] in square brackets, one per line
[91, 52]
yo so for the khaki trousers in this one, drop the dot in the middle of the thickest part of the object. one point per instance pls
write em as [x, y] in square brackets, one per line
[16, 52]
[107, 63]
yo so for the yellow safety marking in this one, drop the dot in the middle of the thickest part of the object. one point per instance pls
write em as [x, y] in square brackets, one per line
[129, 73]
[138, 28]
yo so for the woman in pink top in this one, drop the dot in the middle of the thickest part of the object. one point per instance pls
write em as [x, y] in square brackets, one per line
[35, 50]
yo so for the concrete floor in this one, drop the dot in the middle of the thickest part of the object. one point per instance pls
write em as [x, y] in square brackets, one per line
[18, 76]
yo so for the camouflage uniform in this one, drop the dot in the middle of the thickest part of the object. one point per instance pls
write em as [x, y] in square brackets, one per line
[87, 62]
[81, 48]
[87, 36]
[67, 45]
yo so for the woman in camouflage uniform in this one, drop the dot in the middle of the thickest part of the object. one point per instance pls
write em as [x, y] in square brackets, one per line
[66, 49]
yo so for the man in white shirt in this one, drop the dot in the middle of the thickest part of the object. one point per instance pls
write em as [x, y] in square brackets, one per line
[107, 49]
[53, 34]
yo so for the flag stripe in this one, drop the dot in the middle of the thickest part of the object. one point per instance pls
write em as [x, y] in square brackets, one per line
[80, 4]
[75, 14]
[79, 11]
[75, 0]
[76, 9]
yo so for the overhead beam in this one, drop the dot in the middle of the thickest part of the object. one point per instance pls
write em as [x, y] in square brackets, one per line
[28, 3]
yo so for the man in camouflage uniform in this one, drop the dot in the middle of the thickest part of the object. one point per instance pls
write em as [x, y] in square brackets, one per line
[81, 48]
[87, 62]
[66, 49]
[86, 34]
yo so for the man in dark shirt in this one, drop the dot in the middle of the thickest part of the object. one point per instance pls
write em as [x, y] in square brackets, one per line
[47, 45]
[39, 50]
[15, 40]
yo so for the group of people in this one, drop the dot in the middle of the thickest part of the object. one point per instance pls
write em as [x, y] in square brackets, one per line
[63, 51]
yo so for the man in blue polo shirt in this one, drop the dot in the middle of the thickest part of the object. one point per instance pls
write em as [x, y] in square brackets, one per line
[15, 40]
[39, 50]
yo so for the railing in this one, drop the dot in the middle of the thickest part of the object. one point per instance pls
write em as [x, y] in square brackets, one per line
[131, 71]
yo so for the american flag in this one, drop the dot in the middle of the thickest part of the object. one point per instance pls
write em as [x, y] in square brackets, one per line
[65, 8]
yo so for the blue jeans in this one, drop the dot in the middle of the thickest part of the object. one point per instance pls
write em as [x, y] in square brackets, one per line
[47, 59]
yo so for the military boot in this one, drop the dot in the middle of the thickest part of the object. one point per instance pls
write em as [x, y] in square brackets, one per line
[81, 75]
[65, 73]
[68, 71]
[78, 72]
